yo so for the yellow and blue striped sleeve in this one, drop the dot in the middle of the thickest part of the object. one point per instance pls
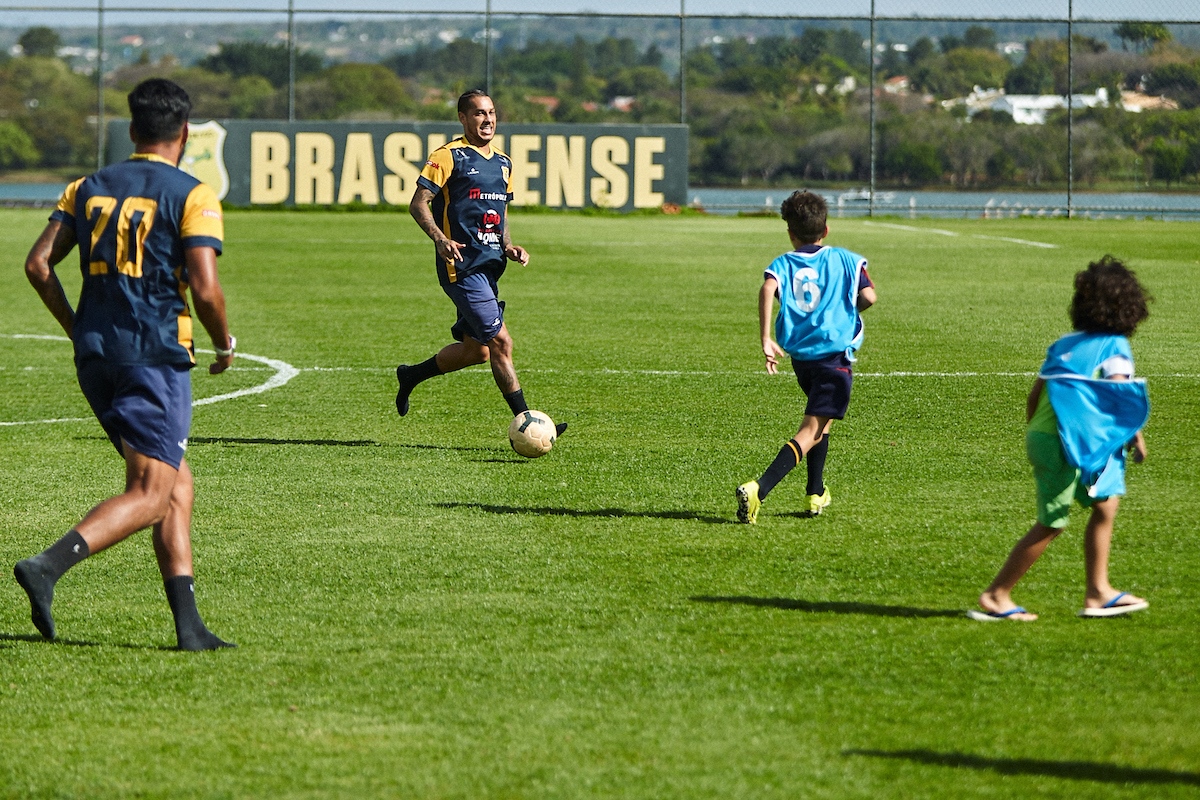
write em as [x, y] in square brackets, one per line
[203, 224]
[437, 169]
[65, 210]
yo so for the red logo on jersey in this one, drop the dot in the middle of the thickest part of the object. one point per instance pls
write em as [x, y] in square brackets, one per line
[488, 225]
[473, 194]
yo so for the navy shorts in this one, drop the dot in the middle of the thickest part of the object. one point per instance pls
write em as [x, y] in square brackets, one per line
[480, 314]
[826, 383]
[149, 406]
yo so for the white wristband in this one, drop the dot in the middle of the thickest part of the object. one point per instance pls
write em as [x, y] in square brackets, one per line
[232, 346]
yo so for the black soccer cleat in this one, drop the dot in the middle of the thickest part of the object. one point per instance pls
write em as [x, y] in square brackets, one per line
[204, 639]
[560, 429]
[405, 389]
[40, 588]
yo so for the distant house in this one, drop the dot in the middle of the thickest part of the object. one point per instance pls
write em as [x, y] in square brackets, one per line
[897, 85]
[548, 102]
[1138, 102]
[1031, 109]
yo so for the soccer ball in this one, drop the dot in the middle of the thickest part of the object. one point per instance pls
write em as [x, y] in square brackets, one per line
[531, 434]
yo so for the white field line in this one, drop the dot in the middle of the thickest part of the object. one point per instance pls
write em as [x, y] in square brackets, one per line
[483, 370]
[940, 232]
[911, 228]
[1015, 241]
[282, 373]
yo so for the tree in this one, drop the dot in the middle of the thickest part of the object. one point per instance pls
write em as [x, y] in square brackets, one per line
[959, 71]
[814, 42]
[949, 42]
[1030, 77]
[979, 37]
[345, 89]
[922, 49]
[51, 104]
[16, 148]
[1169, 159]
[638, 81]
[1178, 81]
[916, 162]
[40, 41]
[241, 59]
[1141, 34]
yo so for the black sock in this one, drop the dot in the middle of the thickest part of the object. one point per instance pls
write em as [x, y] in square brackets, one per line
[422, 372]
[816, 466]
[788, 457]
[37, 576]
[190, 630]
[63, 554]
[516, 401]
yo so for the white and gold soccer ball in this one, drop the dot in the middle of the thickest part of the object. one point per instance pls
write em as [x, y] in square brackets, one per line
[532, 433]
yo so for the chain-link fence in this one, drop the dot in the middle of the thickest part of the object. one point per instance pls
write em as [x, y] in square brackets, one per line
[879, 101]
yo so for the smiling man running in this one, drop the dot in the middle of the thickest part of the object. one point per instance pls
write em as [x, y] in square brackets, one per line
[461, 203]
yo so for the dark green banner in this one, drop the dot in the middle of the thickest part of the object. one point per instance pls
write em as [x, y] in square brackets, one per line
[266, 162]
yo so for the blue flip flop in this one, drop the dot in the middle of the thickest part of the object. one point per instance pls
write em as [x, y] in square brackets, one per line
[998, 616]
[1111, 609]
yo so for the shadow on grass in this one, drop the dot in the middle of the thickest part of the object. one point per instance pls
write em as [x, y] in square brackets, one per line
[575, 512]
[1071, 770]
[832, 606]
[59, 641]
[312, 442]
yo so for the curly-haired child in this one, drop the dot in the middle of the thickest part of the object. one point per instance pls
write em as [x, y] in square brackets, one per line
[1084, 411]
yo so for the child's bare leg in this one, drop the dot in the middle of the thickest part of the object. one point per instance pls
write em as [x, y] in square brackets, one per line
[811, 430]
[1097, 540]
[997, 598]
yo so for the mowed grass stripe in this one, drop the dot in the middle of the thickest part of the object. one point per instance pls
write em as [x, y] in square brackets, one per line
[422, 613]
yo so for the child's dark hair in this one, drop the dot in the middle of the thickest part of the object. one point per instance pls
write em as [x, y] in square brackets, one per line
[805, 214]
[1108, 299]
[159, 108]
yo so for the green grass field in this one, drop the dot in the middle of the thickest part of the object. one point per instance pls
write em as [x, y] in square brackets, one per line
[422, 613]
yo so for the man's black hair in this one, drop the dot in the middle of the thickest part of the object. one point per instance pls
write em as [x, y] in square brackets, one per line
[159, 108]
[466, 99]
[805, 214]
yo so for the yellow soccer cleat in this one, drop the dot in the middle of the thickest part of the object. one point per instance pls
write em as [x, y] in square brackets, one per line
[818, 502]
[748, 502]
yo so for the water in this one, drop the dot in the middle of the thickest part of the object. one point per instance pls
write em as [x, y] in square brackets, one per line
[963, 204]
[27, 192]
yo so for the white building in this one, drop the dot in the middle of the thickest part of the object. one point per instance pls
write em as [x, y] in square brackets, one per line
[1025, 109]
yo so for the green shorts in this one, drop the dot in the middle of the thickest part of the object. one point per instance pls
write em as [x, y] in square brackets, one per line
[1057, 481]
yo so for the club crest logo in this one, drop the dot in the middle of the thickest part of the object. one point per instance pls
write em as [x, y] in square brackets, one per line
[504, 173]
[204, 156]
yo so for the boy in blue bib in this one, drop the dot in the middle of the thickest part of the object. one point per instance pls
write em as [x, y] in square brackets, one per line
[821, 291]
[1084, 410]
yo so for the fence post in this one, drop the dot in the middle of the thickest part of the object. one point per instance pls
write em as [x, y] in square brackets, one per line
[1070, 110]
[682, 65]
[871, 68]
[487, 34]
[291, 44]
[100, 132]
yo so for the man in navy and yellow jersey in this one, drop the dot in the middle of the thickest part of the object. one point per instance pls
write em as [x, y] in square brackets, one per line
[461, 203]
[147, 233]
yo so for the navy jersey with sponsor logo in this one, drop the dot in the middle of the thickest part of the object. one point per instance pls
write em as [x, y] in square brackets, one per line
[133, 221]
[471, 190]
